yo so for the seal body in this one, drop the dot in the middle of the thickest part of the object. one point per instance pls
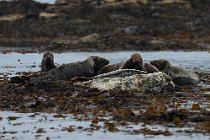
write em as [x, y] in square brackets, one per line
[152, 82]
[134, 62]
[110, 67]
[180, 76]
[47, 62]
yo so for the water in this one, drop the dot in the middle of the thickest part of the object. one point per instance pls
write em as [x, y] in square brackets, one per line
[26, 126]
[30, 62]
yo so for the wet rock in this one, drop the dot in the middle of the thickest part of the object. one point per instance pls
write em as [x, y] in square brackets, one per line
[180, 76]
[131, 29]
[199, 4]
[29, 8]
[66, 1]
[89, 38]
[47, 62]
[19, 79]
[152, 82]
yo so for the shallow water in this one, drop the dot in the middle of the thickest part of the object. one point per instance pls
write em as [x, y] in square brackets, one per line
[30, 62]
[26, 125]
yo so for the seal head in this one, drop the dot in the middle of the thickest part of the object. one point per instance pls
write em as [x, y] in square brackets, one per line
[97, 62]
[47, 62]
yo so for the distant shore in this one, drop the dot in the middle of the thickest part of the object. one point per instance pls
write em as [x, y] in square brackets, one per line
[106, 25]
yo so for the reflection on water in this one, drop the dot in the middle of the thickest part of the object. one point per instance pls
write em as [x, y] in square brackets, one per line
[16, 62]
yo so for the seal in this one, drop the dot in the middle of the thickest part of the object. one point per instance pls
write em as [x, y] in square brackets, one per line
[152, 82]
[180, 76]
[86, 68]
[47, 62]
[109, 68]
[134, 62]
[149, 68]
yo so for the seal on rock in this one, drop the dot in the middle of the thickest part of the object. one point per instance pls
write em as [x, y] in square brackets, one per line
[152, 82]
[47, 62]
[86, 68]
[180, 76]
[134, 62]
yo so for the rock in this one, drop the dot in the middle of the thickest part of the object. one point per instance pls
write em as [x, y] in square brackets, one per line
[180, 76]
[89, 38]
[86, 68]
[29, 8]
[152, 82]
[66, 1]
[47, 62]
[131, 29]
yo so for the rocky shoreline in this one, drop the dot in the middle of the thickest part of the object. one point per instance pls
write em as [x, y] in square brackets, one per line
[106, 25]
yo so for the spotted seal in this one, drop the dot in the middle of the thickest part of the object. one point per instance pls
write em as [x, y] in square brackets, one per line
[152, 82]
[47, 62]
[86, 68]
[180, 76]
